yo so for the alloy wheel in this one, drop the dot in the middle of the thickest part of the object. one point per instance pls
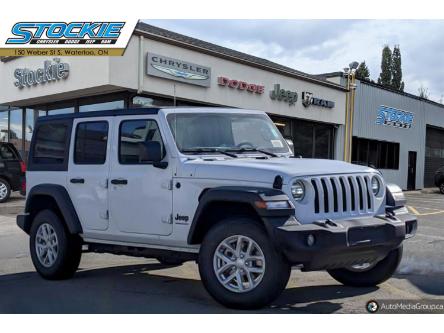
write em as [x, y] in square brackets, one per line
[46, 245]
[3, 190]
[239, 263]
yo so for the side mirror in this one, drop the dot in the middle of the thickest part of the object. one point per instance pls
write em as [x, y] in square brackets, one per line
[151, 151]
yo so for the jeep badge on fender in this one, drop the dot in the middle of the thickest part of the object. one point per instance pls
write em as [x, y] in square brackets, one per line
[245, 210]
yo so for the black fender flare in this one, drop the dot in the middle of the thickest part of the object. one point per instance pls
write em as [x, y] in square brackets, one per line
[245, 195]
[63, 201]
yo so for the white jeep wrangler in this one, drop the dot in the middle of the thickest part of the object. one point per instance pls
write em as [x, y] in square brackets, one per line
[218, 186]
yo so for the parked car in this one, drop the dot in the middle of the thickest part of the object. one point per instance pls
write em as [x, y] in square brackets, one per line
[439, 179]
[12, 171]
[218, 186]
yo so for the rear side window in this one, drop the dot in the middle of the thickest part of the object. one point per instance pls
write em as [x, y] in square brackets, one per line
[91, 142]
[6, 153]
[51, 144]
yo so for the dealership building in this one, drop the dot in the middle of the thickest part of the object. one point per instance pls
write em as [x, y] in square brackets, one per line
[400, 134]
[161, 68]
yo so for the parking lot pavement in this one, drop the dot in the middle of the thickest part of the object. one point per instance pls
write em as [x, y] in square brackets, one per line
[120, 284]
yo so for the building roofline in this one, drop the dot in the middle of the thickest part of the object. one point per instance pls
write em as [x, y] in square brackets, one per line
[194, 44]
[380, 86]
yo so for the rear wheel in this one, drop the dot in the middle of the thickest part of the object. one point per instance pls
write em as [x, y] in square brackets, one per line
[55, 252]
[5, 190]
[240, 267]
[369, 274]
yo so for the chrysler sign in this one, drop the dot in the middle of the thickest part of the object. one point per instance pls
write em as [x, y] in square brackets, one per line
[178, 70]
[53, 70]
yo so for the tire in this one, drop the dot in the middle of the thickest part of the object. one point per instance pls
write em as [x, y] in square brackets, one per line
[5, 190]
[441, 188]
[377, 274]
[262, 288]
[67, 254]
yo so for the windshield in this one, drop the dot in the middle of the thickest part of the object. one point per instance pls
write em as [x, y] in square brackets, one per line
[225, 132]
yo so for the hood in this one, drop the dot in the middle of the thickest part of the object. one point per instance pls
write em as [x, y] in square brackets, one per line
[259, 170]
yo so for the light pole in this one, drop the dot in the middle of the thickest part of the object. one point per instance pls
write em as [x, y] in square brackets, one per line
[350, 76]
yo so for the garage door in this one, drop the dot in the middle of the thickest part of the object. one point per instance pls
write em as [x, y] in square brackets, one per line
[434, 156]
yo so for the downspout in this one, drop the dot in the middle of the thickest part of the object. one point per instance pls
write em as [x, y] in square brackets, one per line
[347, 123]
[352, 115]
[140, 71]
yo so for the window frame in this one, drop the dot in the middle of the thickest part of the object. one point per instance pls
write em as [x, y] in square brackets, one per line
[75, 141]
[119, 140]
[387, 162]
[35, 166]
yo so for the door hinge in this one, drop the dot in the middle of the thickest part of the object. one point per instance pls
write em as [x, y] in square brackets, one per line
[168, 185]
[105, 215]
[168, 220]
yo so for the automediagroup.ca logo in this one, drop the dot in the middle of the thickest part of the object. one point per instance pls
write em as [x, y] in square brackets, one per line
[55, 33]
[372, 306]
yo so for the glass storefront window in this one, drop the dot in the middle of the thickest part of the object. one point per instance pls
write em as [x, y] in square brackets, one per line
[15, 128]
[102, 106]
[30, 118]
[4, 126]
[61, 111]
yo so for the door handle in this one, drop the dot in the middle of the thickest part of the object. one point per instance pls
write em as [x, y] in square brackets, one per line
[119, 181]
[77, 180]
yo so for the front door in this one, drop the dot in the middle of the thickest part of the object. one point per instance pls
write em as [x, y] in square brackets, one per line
[140, 194]
[88, 171]
[411, 172]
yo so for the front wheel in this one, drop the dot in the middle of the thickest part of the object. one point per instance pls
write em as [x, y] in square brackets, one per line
[371, 274]
[55, 253]
[441, 188]
[239, 265]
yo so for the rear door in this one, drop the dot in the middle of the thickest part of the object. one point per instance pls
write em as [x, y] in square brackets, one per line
[88, 171]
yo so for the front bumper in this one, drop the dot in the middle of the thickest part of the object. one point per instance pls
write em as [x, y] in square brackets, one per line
[343, 243]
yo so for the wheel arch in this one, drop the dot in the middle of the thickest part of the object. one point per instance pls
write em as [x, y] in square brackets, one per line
[217, 204]
[54, 197]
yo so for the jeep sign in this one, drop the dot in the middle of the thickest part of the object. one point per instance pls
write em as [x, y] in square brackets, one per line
[283, 95]
[51, 71]
[178, 70]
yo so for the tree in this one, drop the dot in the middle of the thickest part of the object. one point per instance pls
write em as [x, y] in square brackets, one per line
[397, 82]
[362, 72]
[385, 78]
[423, 92]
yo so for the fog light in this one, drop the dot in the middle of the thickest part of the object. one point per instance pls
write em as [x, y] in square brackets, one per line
[311, 240]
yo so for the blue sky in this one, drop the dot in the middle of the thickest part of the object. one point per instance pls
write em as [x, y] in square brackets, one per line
[318, 46]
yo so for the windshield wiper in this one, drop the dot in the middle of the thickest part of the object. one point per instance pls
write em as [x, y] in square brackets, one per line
[248, 150]
[203, 150]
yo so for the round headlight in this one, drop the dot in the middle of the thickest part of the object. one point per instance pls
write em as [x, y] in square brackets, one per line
[298, 190]
[376, 185]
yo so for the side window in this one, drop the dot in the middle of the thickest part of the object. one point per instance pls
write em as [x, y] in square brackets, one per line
[51, 144]
[133, 135]
[6, 153]
[91, 142]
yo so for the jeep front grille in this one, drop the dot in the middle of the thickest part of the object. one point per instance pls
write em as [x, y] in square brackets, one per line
[350, 194]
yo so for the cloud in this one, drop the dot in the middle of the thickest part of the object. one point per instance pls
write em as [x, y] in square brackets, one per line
[317, 46]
